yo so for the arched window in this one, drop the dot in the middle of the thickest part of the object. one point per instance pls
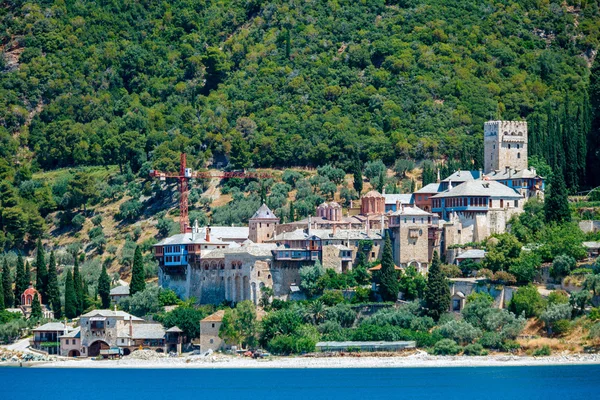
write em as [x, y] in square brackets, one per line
[518, 155]
[509, 146]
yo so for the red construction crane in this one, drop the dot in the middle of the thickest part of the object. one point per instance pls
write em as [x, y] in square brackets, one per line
[185, 174]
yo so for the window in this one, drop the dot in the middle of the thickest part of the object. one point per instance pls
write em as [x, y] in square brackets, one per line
[518, 155]
[516, 203]
[122, 340]
[211, 340]
[509, 146]
[213, 325]
[518, 146]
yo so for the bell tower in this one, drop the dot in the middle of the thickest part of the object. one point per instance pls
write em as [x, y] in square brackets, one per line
[505, 145]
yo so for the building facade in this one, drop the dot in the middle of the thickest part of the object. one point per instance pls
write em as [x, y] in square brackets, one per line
[505, 145]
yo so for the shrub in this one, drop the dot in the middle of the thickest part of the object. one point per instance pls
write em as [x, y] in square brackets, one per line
[446, 347]
[558, 297]
[451, 271]
[527, 301]
[283, 344]
[491, 340]
[485, 273]
[504, 278]
[77, 222]
[342, 314]
[562, 265]
[555, 313]
[542, 351]
[562, 327]
[581, 271]
[595, 331]
[332, 297]
[475, 350]
[460, 331]
[510, 346]
[97, 220]
[594, 314]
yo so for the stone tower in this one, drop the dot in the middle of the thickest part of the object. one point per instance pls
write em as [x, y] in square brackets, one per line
[262, 225]
[505, 145]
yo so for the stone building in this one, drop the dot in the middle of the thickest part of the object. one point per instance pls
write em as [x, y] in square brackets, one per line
[47, 337]
[109, 333]
[372, 202]
[70, 343]
[209, 332]
[262, 225]
[505, 145]
[410, 235]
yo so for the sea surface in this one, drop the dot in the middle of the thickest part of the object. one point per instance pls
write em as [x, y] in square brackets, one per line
[464, 383]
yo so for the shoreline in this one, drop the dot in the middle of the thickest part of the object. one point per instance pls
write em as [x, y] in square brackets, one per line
[418, 360]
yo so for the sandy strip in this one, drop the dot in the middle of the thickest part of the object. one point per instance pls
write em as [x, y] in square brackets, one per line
[410, 361]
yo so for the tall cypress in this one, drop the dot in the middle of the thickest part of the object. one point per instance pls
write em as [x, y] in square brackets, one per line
[2, 307]
[388, 275]
[593, 143]
[36, 308]
[104, 288]
[20, 280]
[53, 290]
[292, 216]
[357, 173]
[41, 273]
[86, 296]
[556, 203]
[437, 291]
[70, 297]
[78, 286]
[7, 288]
[138, 281]
[27, 273]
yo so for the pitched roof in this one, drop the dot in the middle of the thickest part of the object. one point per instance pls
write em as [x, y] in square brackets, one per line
[431, 188]
[463, 176]
[264, 212]
[253, 249]
[403, 198]
[378, 267]
[480, 188]
[148, 331]
[411, 211]
[75, 333]
[174, 329]
[111, 314]
[512, 174]
[215, 317]
[120, 290]
[53, 326]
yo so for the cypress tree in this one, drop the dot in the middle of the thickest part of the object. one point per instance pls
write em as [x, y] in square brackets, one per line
[78, 285]
[70, 297]
[138, 282]
[36, 308]
[27, 274]
[53, 291]
[104, 288]
[388, 276]
[7, 288]
[556, 204]
[292, 216]
[593, 144]
[357, 173]
[437, 291]
[86, 296]
[20, 281]
[2, 307]
[41, 273]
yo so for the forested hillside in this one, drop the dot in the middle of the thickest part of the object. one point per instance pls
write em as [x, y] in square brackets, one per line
[279, 84]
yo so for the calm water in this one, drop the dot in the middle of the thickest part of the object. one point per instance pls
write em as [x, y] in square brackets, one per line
[571, 382]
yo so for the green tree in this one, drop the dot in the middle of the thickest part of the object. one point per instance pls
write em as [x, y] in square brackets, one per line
[527, 301]
[7, 288]
[70, 297]
[437, 292]
[104, 288]
[53, 290]
[388, 275]
[27, 273]
[21, 282]
[556, 203]
[36, 308]
[357, 176]
[562, 266]
[412, 284]
[78, 286]
[81, 188]
[41, 273]
[138, 281]
[309, 278]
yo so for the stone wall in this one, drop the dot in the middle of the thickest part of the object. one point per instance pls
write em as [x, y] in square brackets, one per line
[209, 336]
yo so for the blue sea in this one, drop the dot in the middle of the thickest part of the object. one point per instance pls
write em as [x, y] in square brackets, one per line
[551, 382]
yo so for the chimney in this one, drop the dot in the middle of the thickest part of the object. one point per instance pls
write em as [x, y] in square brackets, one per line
[207, 234]
[368, 227]
[351, 205]
[309, 224]
[382, 226]
[449, 184]
[510, 172]
[130, 327]
[334, 229]
[480, 173]
[397, 205]
[438, 176]
[458, 173]
[115, 307]
[533, 171]
[506, 169]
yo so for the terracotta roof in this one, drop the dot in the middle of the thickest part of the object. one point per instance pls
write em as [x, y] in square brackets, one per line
[378, 267]
[373, 193]
[215, 317]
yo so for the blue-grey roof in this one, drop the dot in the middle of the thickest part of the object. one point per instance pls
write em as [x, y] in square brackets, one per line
[472, 253]
[463, 176]
[264, 212]
[403, 198]
[431, 188]
[480, 188]
[120, 291]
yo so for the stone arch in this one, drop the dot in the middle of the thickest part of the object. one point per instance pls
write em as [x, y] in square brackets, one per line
[205, 265]
[74, 353]
[245, 288]
[237, 289]
[228, 289]
[222, 265]
[95, 347]
[254, 294]
[213, 265]
[126, 351]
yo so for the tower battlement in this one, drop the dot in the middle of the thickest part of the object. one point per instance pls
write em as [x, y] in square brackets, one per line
[505, 145]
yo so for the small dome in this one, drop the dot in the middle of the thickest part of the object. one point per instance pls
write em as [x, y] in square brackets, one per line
[31, 291]
[373, 193]
[334, 204]
[323, 205]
